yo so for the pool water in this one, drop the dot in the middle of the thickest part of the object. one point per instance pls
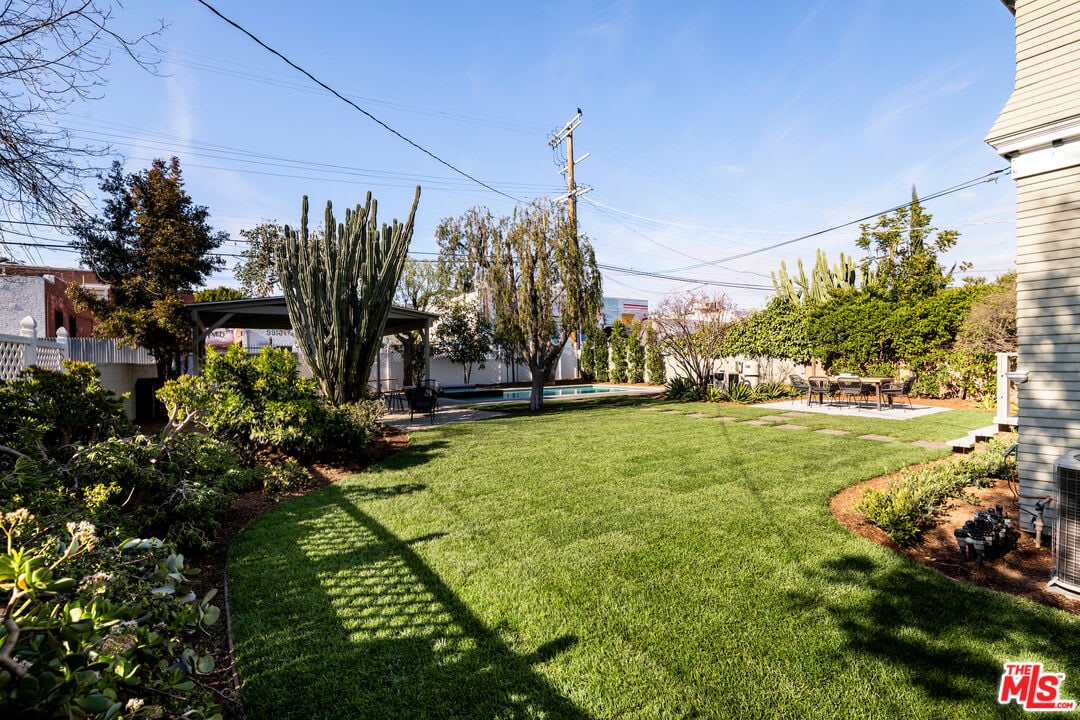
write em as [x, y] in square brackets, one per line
[568, 391]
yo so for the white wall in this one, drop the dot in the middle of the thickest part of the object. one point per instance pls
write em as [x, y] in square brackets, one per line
[121, 377]
[494, 372]
[19, 297]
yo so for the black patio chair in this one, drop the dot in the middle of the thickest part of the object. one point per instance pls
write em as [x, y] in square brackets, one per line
[800, 385]
[851, 388]
[422, 399]
[434, 385]
[898, 389]
[820, 387]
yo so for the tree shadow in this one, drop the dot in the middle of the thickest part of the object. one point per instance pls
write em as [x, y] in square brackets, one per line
[946, 636]
[343, 619]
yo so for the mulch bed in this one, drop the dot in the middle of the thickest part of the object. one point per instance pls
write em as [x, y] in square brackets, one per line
[1023, 571]
[246, 507]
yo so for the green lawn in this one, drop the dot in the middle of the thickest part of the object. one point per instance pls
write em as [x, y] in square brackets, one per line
[608, 562]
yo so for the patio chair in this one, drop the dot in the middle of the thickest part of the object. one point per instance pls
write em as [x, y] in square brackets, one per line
[898, 389]
[434, 385]
[851, 388]
[801, 385]
[422, 399]
[821, 387]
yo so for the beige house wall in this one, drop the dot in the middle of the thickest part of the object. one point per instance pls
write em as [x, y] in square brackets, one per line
[1039, 132]
[1047, 67]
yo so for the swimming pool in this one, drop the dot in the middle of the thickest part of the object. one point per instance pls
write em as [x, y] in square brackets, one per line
[565, 391]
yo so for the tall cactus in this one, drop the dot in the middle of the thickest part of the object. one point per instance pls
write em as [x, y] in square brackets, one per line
[339, 287]
[824, 279]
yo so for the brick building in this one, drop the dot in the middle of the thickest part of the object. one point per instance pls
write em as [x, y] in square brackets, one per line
[41, 293]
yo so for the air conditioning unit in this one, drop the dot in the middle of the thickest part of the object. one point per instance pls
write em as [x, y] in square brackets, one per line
[1067, 526]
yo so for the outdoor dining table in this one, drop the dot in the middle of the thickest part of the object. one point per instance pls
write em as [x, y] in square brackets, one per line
[877, 382]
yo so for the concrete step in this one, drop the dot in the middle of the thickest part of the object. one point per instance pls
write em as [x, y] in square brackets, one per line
[967, 443]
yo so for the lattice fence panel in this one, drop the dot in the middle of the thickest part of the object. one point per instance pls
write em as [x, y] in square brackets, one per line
[11, 359]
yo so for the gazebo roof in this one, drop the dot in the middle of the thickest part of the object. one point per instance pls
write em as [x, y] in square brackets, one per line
[270, 313]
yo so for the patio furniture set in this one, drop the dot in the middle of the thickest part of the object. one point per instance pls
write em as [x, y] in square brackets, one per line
[852, 388]
[420, 399]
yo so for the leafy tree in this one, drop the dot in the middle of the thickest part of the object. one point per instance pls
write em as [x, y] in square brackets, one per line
[339, 287]
[218, 294]
[618, 342]
[654, 360]
[52, 54]
[635, 353]
[691, 330]
[463, 336]
[466, 244]
[904, 252]
[422, 286]
[257, 270]
[541, 274]
[990, 325]
[151, 243]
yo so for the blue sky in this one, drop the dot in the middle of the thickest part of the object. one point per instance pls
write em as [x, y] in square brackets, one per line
[714, 128]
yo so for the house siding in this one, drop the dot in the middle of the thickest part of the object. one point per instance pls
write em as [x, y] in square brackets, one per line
[1048, 316]
[1047, 68]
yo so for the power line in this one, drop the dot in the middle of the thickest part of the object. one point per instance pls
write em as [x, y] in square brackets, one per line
[988, 177]
[352, 104]
[675, 278]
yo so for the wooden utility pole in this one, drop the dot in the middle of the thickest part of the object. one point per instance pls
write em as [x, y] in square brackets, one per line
[572, 188]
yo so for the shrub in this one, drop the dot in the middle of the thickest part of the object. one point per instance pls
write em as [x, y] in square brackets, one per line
[911, 501]
[684, 390]
[738, 392]
[176, 488]
[355, 424]
[772, 391]
[112, 625]
[286, 475]
[262, 402]
[45, 413]
[601, 361]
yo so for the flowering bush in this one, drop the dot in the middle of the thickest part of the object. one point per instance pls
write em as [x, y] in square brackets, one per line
[98, 628]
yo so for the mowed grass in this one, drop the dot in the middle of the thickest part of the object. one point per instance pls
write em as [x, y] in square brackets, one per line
[608, 562]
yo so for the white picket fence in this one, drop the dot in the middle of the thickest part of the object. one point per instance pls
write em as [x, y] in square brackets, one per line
[26, 348]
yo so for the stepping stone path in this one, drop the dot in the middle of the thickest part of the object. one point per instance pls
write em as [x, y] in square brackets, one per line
[829, 431]
[879, 438]
[929, 444]
[649, 409]
[755, 422]
[792, 427]
[673, 412]
[774, 418]
[724, 418]
[697, 415]
[797, 415]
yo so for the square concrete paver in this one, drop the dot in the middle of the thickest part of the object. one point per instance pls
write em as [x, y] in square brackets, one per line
[879, 438]
[755, 422]
[830, 431]
[724, 418]
[798, 415]
[929, 444]
[774, 418]
[791, 427]
[696, 415]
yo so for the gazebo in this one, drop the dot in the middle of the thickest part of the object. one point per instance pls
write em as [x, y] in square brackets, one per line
[270, 313]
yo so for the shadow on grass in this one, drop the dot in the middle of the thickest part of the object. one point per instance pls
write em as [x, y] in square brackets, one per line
[948, 637]
[342, 619]
[415, 455]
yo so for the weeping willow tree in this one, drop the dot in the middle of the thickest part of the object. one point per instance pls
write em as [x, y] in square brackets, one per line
[339, 287]
[546, 287]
